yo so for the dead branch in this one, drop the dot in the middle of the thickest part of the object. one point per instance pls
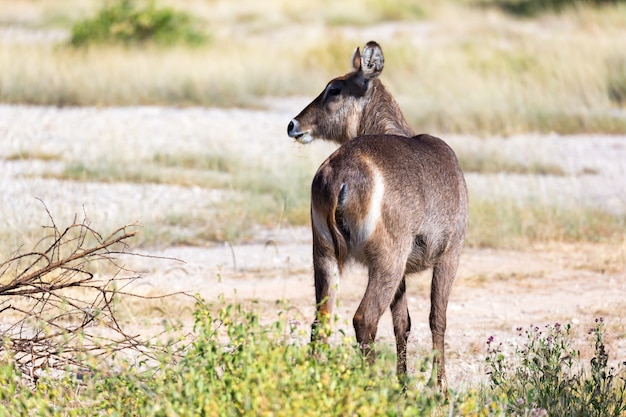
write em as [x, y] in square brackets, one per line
[57, 312]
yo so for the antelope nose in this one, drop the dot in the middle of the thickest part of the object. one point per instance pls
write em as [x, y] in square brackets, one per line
[293, 129]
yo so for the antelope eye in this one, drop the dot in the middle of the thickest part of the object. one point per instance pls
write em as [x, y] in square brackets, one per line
[334, 91]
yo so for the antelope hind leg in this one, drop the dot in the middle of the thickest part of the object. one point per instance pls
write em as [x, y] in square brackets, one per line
[401, 327]
[443, 278]
[382, 287]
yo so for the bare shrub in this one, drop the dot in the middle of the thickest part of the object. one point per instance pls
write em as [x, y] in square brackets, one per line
[58, 303]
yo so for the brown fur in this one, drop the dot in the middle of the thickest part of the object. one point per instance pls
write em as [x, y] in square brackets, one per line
[388, 199]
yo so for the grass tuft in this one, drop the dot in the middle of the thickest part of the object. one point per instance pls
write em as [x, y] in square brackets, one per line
[512, 224]
[491, 163]
[34, 155]
[212, 162]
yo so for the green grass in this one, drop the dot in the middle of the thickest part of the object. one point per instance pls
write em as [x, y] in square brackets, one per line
[238, 365]
[112, 172]
[213, 162]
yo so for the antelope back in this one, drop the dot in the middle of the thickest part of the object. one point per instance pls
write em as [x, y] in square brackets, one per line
[392, 186]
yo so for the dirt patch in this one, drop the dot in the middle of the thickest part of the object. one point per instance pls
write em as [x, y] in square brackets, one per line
[496, 292]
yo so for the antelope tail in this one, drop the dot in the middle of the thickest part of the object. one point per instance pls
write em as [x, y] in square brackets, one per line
[337, 225]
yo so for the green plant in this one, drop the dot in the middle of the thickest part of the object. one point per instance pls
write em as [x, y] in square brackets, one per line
[545, 377]
[238, 366]
[127, 22]
[530, 8]
[42, 399]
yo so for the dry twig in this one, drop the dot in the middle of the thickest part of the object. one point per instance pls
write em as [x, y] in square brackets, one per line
[61, 312]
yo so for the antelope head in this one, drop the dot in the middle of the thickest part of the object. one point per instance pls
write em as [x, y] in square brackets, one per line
[337, 113]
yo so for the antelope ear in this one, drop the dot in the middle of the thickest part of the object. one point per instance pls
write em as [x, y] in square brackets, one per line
[356, 59]
[372, 60]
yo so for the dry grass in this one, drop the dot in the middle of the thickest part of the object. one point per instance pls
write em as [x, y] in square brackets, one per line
[260, 194]
[255, 193]
[454, 68]
[492, 163]
[484, 280]
[34, 155]
[503, 77]
[507, 223]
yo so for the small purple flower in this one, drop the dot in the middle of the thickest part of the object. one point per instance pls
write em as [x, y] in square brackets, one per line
[490, 340]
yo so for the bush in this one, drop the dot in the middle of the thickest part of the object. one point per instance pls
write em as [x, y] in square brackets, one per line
[130, 22]
[531, 8]
[546, 377]
[238, 366]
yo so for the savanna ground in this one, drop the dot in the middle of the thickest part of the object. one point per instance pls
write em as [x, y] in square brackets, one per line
[192, 145]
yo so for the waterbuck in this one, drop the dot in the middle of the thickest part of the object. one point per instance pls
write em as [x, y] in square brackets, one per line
[391, 200]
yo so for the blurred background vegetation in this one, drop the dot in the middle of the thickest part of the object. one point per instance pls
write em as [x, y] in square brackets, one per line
[470, 66]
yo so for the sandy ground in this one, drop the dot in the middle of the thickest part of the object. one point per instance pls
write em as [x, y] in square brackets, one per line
[496, 290]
